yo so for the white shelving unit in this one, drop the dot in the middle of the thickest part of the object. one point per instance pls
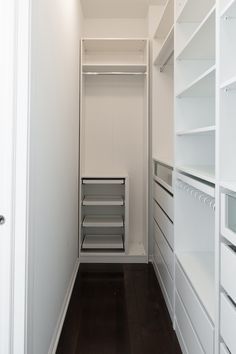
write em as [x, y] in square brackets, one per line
[104, 211]
[114, 87]
[196, 129]
[227, 173]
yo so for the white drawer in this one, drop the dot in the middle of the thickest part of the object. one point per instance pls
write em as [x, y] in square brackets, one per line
[189, 336]
[228, 270]
[223, 349]
[228, 323]
[164, 199]
[164, 274]
[199, 319]
[164, 223]
[165, 249]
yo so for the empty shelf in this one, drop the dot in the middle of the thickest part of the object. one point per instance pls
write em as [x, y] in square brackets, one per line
[229, 85]
[97, 68]
[166, 20]
[231, 186]
[103, 221]
[166, 50]
[206, 173]
[199, 131]
[103, 181]
[103, 242]
[229, 10]
[192, 11]
[114, 45]
[201, 45]
[203, 86]
[199, 268]
[103, 200]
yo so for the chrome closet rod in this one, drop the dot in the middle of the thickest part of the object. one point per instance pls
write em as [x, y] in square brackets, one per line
[167, 61]
[113, 73]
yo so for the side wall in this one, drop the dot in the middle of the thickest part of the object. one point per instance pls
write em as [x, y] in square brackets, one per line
[53, 170]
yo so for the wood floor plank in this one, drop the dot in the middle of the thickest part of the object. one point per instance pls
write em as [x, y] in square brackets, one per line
[117, 309]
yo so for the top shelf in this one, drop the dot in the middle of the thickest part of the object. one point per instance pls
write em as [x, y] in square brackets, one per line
[114, 45]
[166, 21]
[201, 44]
[194, 11]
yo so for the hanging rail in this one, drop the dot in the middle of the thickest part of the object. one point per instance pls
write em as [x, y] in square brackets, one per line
[162, 68]
[196, 193]
[113, 73]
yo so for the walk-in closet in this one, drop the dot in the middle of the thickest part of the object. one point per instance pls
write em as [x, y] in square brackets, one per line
[119, 214]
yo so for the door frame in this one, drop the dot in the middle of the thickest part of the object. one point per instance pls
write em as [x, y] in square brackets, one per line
[15, 28]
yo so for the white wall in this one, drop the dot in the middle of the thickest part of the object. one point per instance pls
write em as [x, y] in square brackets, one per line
[115, 28]
[53, 175]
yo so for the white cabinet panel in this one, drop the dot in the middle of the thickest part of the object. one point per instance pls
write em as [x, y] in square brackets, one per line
[228, 270]
[164, 223]
[165, 249]
[164, 274]
[164, 199]
[228, 323]
[196, 312]
[189, 336]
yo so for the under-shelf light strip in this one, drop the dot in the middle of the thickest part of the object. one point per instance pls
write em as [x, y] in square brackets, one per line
[196, 193]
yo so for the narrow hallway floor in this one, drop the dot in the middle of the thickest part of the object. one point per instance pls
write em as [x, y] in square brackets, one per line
[117, 309]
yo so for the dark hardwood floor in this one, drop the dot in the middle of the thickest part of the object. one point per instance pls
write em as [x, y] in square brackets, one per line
[117, 309]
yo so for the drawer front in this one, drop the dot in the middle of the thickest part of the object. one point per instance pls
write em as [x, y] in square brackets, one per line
[223, 349]
[190, 338]
[165, 276]
[165, 249]
[228, 270]
[164, 199]
[164, 223]
[228, 323]
[200, 321]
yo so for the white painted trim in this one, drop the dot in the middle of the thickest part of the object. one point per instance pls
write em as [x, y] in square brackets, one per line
[61, 319]
[20, 177]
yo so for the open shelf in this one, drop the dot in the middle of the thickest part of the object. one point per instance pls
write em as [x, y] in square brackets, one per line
[166, 20]
[103, 200]
[103, 242]
[113, 45]
[203, 86]
[93, 68]
[102, 181]
[229, 85]
[199, 268]
[198, 46]
[229, 10]
[166, 49]
[194, 11]
[206, 188]
[199, 131]
[231, 186]
[103, 221]
[206, 173]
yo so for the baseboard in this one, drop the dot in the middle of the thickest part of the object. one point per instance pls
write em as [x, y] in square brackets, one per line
[57, 333]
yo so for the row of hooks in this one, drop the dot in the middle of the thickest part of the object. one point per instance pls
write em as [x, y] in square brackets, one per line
[196, 193]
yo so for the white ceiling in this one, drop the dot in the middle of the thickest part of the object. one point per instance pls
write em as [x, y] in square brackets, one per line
[117, 8]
